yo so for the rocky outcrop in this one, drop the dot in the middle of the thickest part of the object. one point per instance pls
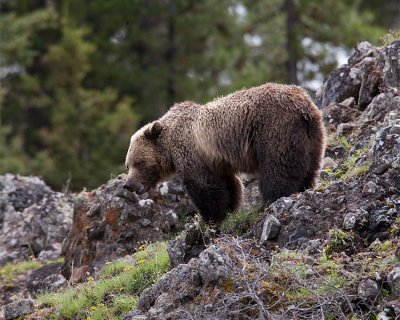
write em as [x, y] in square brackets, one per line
[354, 210]
[369, 71]
[45, 279]
[18, 309]
[111, 222]
[34, 220]
[362, 191]
[197, 289]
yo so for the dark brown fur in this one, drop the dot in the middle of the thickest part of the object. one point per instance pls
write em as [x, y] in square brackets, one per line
[273, 130]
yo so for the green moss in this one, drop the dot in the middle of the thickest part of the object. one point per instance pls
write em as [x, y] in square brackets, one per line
[11, 269]
[390, 37]
[344, 142]
[121, 279]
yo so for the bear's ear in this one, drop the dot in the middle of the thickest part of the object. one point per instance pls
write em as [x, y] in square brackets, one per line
[153, 131]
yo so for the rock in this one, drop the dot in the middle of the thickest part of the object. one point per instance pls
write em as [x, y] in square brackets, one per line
[18, 309]
[270, 229]
[181, 283]
[54, 252]
[32, 217]
[345, 128]
[355, 220]
[214, 265]
[343, 112]
[251, 194]
[393, 279]
[343, 83]
[110, 222]
[328, 162]
[369, 71]
[389, 61]
[370, 188]
[381, 105]
[368, 289]
[362, 49]
[46, 278]
[188, 245]
[200, 285]
[370, 80]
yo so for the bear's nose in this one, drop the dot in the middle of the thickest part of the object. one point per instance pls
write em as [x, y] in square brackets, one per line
[128, 186]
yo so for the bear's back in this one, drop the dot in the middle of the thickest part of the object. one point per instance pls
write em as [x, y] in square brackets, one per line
[225, 128]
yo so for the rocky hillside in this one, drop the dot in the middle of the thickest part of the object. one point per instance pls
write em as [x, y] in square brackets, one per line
[328, 253]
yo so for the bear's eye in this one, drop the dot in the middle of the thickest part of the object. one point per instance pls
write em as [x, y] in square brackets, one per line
[138, 163]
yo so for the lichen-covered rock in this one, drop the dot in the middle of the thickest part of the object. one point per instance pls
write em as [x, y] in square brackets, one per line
[46, 278]
[198, 286]
[368, 289]
[189, 244]
[389, 61]
[366, 202]
[33, 218]
[18, 309]
[393, 280]
[368, 72]
[111, 222]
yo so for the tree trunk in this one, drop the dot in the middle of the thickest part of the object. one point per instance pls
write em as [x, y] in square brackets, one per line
[291, 41]
[170, 55]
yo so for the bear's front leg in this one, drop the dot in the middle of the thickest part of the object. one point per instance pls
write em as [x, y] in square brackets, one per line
[210, 194]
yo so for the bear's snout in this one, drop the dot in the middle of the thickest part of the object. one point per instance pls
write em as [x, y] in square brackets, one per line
[134, 187]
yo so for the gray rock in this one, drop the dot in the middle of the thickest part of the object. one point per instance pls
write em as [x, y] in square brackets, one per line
[188, 245]
[214, 265]
[345, 128]
[355, 219]
[181, 283]
[110, 223]
[329, 162]
[393, 279]
[45, 279]
[368, 289]
[362, 49]
[270, 229]
[18, 309]
[389, 61]
[370, 187]
[342, 83]
[31, 216]
[380, 106]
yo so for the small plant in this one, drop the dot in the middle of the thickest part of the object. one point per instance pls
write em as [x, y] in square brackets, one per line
[11, 269]
[239, 222]
[349, 167]
[338, 239]
[390, 37]
[345, 143]
[116, 290]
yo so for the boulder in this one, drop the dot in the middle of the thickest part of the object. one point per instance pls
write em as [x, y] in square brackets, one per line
[111, 222]
[33, 218]
[18, 309]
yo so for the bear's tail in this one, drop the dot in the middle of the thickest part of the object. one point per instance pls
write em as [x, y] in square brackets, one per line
[316, 135]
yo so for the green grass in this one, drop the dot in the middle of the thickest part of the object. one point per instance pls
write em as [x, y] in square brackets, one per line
[11, 269]
[237, 223]
[390, 37]
[116, 292]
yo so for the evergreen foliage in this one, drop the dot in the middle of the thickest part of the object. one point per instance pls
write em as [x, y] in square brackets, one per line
[79, 77]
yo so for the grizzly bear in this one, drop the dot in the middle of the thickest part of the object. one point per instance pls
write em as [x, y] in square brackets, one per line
[271, 130]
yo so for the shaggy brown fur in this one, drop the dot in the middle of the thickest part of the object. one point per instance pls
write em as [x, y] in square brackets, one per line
[273, 130]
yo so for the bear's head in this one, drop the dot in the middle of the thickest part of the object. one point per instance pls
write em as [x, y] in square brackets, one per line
[144, 159]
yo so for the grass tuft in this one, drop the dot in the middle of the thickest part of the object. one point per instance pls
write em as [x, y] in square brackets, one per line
[115, 293]
[237, 223]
